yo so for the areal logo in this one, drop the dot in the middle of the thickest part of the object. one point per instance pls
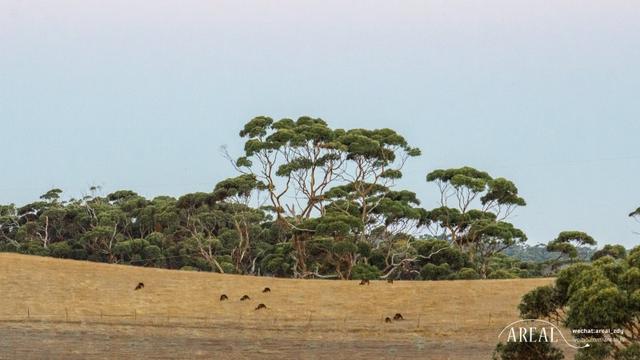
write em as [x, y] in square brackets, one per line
[536, 330]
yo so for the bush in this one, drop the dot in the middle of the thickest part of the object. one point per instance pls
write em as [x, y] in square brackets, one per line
[153, 255]
[602, 295]
[539, 303]
[227, 267]
[615, 251]
[34, 248]
[597, 351]
[451, 256]
[60, 249]
[527, 351]
[365, 271]
[501, 274]
[467, 274]
[436, 272]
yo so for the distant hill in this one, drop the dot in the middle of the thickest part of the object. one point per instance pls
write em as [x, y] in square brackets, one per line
[539, 253]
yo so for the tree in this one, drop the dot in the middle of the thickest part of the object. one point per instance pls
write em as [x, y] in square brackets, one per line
[302, 157]
[604, 294]
[565, 244]
[331, 178]
[527, 351]
[540, 303]
[481, 232]
[9, 225]
[234, 199]
[615, 251]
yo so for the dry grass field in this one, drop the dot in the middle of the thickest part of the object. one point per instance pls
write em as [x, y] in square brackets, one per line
[63, 309]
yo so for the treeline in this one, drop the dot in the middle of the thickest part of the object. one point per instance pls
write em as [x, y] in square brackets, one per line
[308, 201]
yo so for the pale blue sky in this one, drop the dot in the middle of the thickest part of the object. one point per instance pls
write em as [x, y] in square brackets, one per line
[142, 94]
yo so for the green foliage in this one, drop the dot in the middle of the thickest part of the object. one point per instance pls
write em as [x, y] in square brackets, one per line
[436, 272]
[596, 351]
[310, 201]
[615, 251]
[566, 245]
[539, 253]
[602, 295]
[501, 274]
[632, 352]
[443, 253]
[365, 271]
[539, 303]
[467, 274]
[241, 186]
[527, 351]
[60, 249]
[481, 232]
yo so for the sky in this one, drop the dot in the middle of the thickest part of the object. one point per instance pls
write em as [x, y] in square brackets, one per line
[141, 94]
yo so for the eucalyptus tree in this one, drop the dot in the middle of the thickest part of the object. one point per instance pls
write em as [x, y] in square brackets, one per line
[199, 225]
[42, 221]
[233, 198]
[566, 244]
[375, 162]
[9, 225]
[311, 171]
[473, 210]
[296, 161]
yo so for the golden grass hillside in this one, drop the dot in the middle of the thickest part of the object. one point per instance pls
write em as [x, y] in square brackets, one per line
[52, 308]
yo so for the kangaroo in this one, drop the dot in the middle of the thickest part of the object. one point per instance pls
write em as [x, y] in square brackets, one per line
[266, 290]
[139, 286]
[261, 306]
[224, 297]
[398, 316]
[245, 297]
[364, 282]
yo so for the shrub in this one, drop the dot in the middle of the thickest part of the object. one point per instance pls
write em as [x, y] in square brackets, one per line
[467, 274]
[527, 351]
[501, 274]
[365, 271]
[436, 272]
[227, 267]
[539, 303]
[34, 248]
[60, 249]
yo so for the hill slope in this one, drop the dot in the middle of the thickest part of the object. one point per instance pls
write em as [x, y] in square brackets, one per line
[91, 310]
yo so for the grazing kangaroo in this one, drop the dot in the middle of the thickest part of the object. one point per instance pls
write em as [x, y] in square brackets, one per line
[364, 282]
[390, 281]
[387, 320]
[139, 286]
[266, 290]
[261, 306]
[398, 316]
[224, 297]
[245, 297]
